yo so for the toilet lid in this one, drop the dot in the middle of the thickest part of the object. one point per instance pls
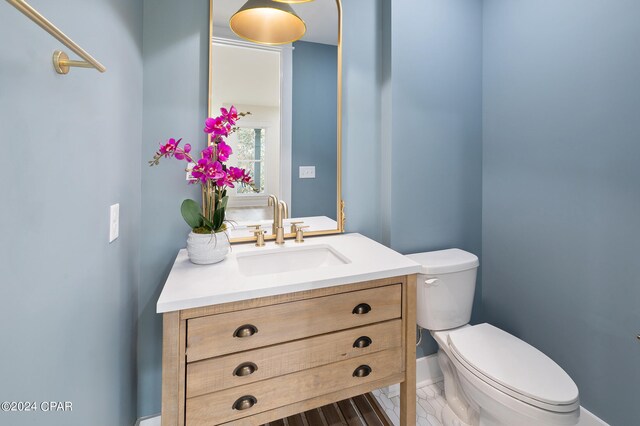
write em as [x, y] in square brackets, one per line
[507, 361]
[445, 261]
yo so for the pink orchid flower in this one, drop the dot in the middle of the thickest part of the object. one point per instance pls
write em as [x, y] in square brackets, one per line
[235, 173]
[205, 170]
[184, 153]
[246, 177]
[210, 168]
[224, 151]
[169, 148]
[207, 152]
[217, 127]
[231, 116]
[239, 175]
[226, 180]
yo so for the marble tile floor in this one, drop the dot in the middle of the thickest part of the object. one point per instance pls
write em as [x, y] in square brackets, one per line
[430, 401]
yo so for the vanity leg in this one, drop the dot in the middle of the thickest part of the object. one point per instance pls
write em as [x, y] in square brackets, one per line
[408, 387]
[173, 369]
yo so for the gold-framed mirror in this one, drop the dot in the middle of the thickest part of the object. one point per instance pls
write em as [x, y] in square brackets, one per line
[292, 140]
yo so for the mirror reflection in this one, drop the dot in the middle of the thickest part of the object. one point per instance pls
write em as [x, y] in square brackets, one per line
[289, 141]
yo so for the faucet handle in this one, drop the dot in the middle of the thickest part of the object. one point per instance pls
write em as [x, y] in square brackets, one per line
[257, 229]
[300, 234]
[294, 226]
[258, 232]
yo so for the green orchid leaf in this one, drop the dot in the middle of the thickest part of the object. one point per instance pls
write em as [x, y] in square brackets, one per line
[223, 202]
[207, 223]
[218, 219]
[191, 213]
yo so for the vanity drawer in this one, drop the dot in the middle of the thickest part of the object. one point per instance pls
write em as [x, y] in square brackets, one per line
[238, 331]
[218, 407]
[216, 374]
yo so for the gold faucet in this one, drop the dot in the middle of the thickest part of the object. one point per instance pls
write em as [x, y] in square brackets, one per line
[282, 212]
[273, 201]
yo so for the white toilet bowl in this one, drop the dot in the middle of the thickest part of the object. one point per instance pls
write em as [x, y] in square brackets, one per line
[491, 378]
[503, 381]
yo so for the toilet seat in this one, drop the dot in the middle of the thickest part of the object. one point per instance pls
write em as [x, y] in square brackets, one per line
[514, 367]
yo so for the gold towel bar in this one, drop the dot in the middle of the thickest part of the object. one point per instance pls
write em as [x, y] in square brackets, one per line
[61, 61]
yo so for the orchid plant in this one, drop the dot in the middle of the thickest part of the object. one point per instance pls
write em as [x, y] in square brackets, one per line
[210, 171]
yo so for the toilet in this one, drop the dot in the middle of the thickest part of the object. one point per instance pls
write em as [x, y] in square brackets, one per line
[491, 378]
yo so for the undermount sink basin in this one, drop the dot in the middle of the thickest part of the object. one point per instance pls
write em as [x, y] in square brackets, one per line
[288, 259]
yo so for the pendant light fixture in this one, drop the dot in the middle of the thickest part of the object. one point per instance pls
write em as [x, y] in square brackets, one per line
[293, 1]
[267, 22]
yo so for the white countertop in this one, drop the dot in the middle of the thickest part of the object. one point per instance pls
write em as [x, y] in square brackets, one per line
[192, 286]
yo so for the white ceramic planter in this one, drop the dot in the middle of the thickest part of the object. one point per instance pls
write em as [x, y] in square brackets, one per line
[205, 249]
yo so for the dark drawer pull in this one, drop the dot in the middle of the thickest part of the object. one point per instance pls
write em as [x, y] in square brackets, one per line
[245, 369]
[362, 309]
[245, 403]
[246, 330]
[362, 371]
[362, 342]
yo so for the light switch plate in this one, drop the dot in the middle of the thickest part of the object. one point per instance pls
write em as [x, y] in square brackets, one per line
[188, 171]
[114, 222]
[307, 172]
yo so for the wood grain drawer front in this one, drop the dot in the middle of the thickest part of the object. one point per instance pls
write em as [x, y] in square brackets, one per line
[218, 407]
[238, 369]
[216, 335]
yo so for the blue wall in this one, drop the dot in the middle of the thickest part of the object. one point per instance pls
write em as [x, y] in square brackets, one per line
[562, 189]
[176, 66]
[361, 103]
[434, 136]
[314, 128]
[71, 149]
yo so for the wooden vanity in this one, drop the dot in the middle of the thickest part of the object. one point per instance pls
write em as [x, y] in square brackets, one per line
[253, 361]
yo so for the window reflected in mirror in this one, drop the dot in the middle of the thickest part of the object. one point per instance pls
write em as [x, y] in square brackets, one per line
[250, 155]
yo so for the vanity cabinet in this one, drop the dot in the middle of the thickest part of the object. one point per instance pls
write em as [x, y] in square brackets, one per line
[255, 361]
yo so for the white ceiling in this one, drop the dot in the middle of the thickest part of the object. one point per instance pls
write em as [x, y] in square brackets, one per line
[321, 17]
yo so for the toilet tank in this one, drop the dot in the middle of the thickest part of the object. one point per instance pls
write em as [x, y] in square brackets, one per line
[445, 288]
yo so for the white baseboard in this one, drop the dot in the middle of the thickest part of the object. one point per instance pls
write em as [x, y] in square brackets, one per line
[427, 372]
[589, 419]
[149, 421]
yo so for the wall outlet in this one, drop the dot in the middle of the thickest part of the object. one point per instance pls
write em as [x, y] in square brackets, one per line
[307, 172]
[114, 222]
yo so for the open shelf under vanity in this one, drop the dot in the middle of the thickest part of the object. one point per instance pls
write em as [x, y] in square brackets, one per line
[361, 410]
